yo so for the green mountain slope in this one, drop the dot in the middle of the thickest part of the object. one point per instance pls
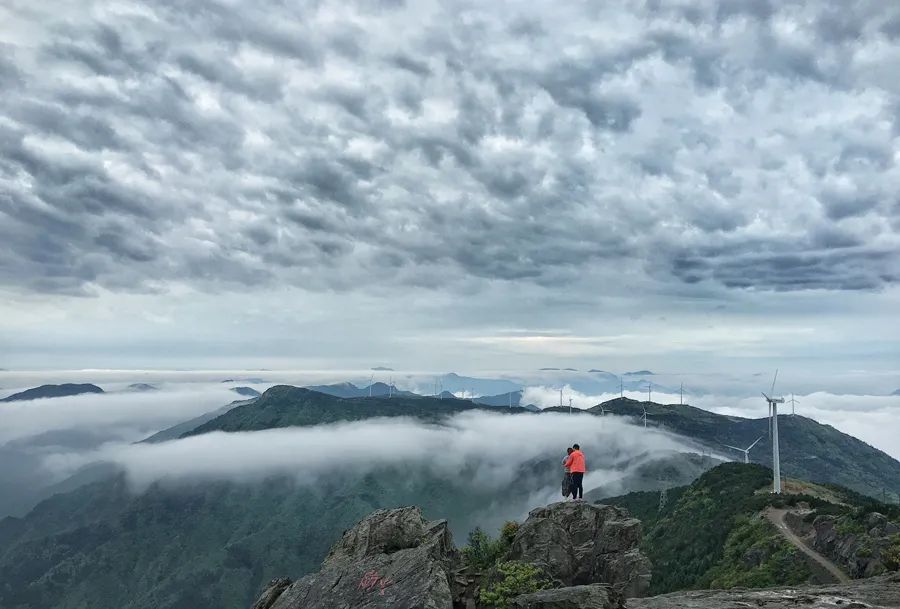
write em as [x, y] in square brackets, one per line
[287, 406]
[809, 450]
[710, 534]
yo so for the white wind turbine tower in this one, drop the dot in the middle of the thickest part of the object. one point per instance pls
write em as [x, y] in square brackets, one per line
[793, 402]
[746, 451]
[773, 418]
[681, 395]
[371, 382]
[570, 405]
[649, 391]
[391, 388]
[644, 416]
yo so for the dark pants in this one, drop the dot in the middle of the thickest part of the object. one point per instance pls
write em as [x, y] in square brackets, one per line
[577, 489]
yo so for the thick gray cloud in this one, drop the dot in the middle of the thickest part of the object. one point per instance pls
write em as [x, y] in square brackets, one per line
[337, 145]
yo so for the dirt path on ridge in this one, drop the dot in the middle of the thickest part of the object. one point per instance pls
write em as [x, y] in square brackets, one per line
[776, 517]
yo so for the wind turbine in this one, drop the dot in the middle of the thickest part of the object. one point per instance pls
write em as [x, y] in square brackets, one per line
[793, 402]
[371, 382]
[570, 405]
[560, 397]
[746, 451]
[644, 416]
[681, 395]
[649, 391]
[621, 388]
[391, 388]
[773, 418]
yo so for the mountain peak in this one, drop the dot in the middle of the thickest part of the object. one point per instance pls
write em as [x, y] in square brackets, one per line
[53, 391]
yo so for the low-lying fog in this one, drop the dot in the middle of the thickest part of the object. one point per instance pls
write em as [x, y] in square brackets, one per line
[44, 441]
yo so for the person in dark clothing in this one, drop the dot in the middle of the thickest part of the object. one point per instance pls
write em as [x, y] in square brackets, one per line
[575, 464]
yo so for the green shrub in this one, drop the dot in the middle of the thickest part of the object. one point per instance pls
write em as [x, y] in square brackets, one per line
[509, 580]
[483, 552]
[508, 532]
[890, 556]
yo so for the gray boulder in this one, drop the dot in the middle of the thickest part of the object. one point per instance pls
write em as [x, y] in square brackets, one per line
[596, 596]
[392, 559]
[577, 543]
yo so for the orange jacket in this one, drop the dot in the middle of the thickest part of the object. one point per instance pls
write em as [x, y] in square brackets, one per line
[575, 462]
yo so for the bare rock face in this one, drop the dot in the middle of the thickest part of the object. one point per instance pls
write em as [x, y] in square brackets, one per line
[392, 559]
[596, 596]
[882, 592]
[577, 543]
[859, 552]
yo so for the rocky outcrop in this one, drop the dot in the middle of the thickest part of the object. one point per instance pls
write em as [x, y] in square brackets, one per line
[396, 559]
[857, 547]
[881, 592]
[596, 596]
[392, 559]
[577, 543]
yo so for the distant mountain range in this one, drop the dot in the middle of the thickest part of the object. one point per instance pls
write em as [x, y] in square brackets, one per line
[349, 390]
[53, 391]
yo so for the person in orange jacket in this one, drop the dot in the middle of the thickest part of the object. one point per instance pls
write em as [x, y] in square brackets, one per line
[575, 464]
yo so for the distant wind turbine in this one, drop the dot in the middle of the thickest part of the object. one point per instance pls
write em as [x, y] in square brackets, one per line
[793, 402]
[773, 417]
[371, 382]
[649, 391]
[621, 388]
[681, 395]
[644, 416]
[746, 451]
[570, 405]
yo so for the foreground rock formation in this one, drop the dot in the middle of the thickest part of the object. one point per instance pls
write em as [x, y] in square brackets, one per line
[396, 559]
[577, 543]
[882, 592]
[391, 559]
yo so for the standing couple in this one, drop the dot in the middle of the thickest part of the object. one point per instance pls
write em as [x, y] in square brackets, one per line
[574, 466]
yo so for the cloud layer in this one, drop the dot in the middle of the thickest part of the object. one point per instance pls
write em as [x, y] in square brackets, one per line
[336, 145]
[492, 447]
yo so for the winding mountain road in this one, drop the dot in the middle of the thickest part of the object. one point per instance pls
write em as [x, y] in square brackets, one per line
[776, 517]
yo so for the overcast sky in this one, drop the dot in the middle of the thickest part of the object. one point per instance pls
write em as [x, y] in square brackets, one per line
[664, 184]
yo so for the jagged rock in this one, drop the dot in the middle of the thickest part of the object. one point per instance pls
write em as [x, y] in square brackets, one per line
[882, 592]
[858, 553]
[596, 596]
[577, 543]
[272, 592]
[391, 559]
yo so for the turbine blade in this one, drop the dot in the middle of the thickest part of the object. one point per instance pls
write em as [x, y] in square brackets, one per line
[765, 396]
[734, 447]
[774, 379]
[755, 443]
